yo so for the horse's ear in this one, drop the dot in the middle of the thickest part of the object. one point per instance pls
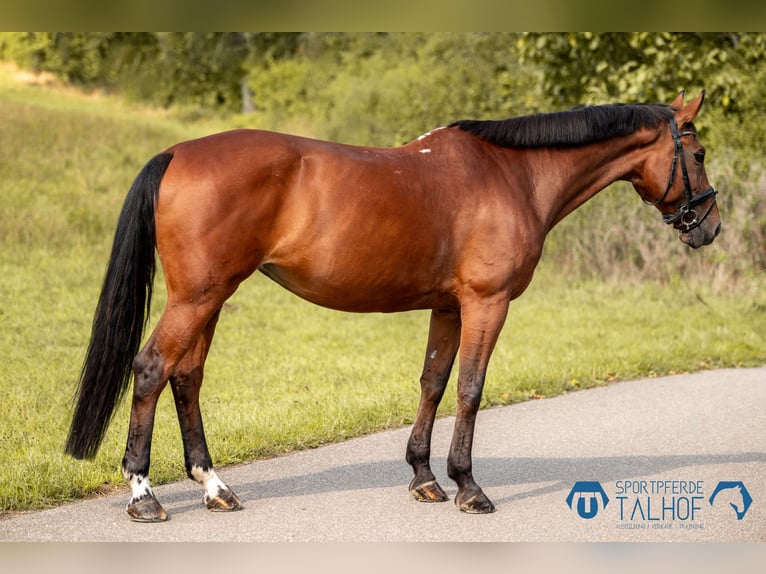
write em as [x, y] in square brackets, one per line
[679, 101]
[688, 112]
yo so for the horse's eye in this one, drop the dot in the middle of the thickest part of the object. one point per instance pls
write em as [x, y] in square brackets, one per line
[700, 156]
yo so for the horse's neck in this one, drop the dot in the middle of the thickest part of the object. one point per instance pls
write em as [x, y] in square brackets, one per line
[567, 178]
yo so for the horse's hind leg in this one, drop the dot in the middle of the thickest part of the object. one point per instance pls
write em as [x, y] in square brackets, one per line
[150, 376]
[443, 342]
[177, 331]
[185, 382]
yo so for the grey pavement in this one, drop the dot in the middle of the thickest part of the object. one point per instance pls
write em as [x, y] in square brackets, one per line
[658, 448]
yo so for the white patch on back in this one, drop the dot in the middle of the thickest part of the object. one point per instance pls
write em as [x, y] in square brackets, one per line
[425, 150]
[425, 135]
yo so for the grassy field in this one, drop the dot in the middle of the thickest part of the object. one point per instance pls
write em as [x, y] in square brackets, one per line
[283, 374]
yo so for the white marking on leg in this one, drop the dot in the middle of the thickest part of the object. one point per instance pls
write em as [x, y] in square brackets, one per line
[433, 355]
[209, 480]
[139, 484]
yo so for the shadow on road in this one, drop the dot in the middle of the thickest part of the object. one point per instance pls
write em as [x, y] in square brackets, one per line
[552, 474]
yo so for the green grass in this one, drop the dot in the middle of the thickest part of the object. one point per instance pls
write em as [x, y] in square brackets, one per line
[283, 374]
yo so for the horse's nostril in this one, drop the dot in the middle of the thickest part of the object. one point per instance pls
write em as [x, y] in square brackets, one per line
[717, 230]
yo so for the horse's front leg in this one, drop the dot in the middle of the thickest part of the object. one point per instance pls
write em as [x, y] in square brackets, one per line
[443, 342]
[481, 325]
[186, 382]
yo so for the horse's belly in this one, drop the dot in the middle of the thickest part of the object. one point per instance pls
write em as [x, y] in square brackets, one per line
[373, 292]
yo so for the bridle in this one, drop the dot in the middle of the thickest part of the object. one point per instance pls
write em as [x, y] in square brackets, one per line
[685, 217]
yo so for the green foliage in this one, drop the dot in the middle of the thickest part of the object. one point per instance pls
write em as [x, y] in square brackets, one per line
[83, 58]
[647, 66]
[357, 83]
[204, 70]
[373, 89]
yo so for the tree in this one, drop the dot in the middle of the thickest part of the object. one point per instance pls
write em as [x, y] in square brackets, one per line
[583, 67]
[203, 69]
[189, 68]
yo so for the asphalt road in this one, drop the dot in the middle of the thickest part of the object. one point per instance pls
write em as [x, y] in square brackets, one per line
[658, 448]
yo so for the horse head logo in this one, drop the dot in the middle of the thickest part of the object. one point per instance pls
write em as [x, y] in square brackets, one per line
[736, 494]
[587, 501]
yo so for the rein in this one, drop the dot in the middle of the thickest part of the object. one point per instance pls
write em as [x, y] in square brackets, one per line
[685, 217]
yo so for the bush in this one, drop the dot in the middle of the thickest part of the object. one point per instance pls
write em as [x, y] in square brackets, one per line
[387, 89]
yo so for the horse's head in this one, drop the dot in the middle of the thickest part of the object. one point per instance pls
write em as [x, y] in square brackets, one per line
[674, 179]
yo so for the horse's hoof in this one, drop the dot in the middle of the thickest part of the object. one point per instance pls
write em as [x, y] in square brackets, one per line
[478, 504]
[224, 501]
[428, 492]
[146, 509]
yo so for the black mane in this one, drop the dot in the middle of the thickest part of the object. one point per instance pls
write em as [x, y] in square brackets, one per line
[579, 126]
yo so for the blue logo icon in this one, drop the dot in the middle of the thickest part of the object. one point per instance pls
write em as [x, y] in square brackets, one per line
[587, 501]
[735, 494]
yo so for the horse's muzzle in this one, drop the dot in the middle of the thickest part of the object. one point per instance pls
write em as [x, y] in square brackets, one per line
[700, 236]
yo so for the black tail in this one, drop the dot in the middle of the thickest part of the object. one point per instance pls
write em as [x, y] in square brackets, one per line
[121, 314]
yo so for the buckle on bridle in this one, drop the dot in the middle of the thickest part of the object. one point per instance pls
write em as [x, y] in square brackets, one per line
[689, 219]
[686, 218]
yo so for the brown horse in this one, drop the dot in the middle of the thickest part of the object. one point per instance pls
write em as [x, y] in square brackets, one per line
[453, 222]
